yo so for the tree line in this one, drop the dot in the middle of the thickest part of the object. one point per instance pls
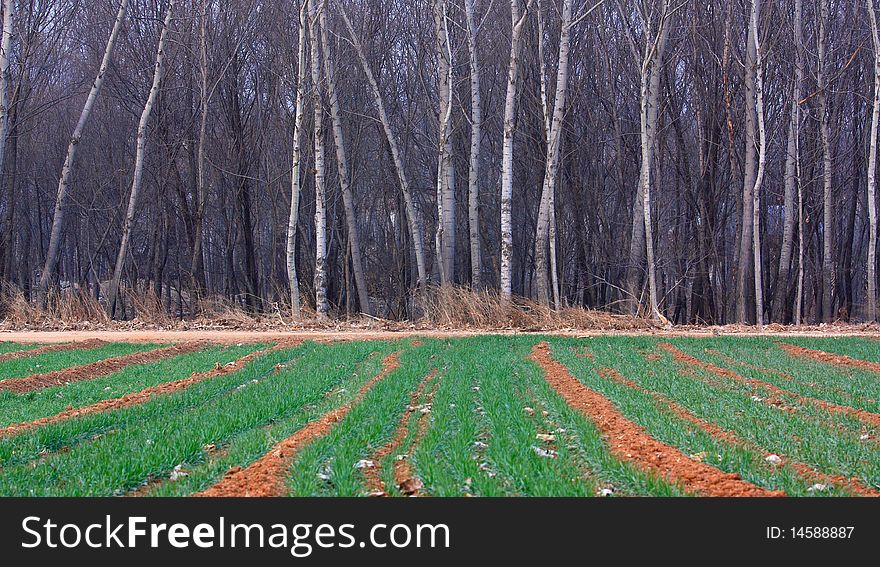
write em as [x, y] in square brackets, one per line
[690, 161]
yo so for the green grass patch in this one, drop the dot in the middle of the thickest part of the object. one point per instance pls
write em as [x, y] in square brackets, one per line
[51, 361]
[6, 347]
[15, 408]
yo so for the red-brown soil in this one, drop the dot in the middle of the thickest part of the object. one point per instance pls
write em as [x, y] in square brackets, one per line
[266, 476]
[830, 358]
[806, 471]
[871, 419]
[133, 398]
[95, 369]
[630, 442]
[404, 475]
[373, 475]
[76, 345]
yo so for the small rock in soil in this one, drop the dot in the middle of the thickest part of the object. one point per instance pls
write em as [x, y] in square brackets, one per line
[773, 459]
[364, 464]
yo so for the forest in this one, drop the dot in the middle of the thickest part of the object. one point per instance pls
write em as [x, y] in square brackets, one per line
[689, 161]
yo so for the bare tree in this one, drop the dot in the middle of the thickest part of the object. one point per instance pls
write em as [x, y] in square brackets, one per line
[5, 48]
[871, 299]
[552, 166]
[476, 135]
[762, 160]
[293, 218]
[414, 222]
[137, 178]
[354, 241]
[66, 170]
[827, 163]
[445, 234]
[322, 307]
[517, 22]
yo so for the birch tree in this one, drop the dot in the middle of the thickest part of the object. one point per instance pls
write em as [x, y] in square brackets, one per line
[322, 307]
[293, 218]
[415, 224]
[791, 157]
[445, 234]
[746, 240]
[5, 49]
[354, 241]
[476, 135]
[762, 160]
[552, 163]
[140, 153]
[871, 299]
[827, 172]
[517, 22]
[67, 169]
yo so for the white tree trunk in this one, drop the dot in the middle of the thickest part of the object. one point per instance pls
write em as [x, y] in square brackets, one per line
[783, 280]
[411, 213]
[322, 307]
[5, 47]
[655, 44]
[67, 168]
[293, 219]
[762, 159]
[445, 235]
[137, 179]
[542, 240]
[827, 172]
[354, 240]
[517, 23]
[871, 299]
[474, 169]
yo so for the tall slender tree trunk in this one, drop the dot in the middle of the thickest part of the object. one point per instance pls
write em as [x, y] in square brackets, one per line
[517, 21]
[140, 154]
[542, 237]
[354, 241]
[474, 169]
[415, 224]
[827, 172]
[196, 270]
[67, 169]
[322, 307]
[746, 242]
[293, 219]
[655, 45]
[5, 48]
[445, 235]
[783, 273]
[871, 299]
[762, 160]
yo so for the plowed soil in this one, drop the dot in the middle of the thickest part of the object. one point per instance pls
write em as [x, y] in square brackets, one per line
[829, 358]
[78, 345]
[266, 476]
[95, 369]
[871, 419]
[630, 442]
[373, 475]
[133, 398]
[806, 471]
[404, 475]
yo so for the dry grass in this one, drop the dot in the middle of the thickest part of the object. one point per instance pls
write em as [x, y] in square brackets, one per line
[439, 308]
[458, 307]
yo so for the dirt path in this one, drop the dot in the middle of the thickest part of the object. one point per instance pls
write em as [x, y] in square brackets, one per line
[95, 369]
[806, 472]
[134, 398]
[630, 442]
[866, 417]
[266, 476]
[830, 358]
[226, 336]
